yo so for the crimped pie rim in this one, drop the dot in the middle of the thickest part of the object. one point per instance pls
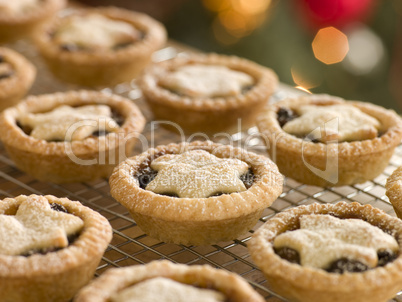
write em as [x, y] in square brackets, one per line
[13, 136]
[125, 189]
[92, 242]
[116, 279]
[266, 84]
[393, 188]
[23, 77]
[262, 253]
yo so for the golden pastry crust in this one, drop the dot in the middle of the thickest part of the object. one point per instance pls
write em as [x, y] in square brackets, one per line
[304, 284]
[99, 68]
[357, 161]
[16, 26]
[197, 221]
[394, 190]
[203, 114]
[78, 161]
[114, 280]
[13, 88]
[55, 276]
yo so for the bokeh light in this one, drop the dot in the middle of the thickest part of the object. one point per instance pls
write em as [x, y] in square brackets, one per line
[236, 19]
[366, 51]
[330, 45]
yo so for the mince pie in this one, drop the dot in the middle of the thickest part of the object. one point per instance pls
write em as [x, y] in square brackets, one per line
[164, 281]
[198, 193]
[331, 252]
[16, 77]
[394, 190]
[70, 137]
[49, 247]
[207, 93]
[20, 18]
[327, 141]
[99, 46]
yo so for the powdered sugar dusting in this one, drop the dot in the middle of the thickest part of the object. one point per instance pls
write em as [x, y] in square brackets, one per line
[197, 174]
[323, 239]
[198, 80]
[349, 123]
[36, 226]
[67, 123]
[95, 31]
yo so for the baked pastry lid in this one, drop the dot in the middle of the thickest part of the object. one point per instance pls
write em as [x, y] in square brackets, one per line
[269, 126]
[154, 35]
[265, 83]
[92, 241]
[13, 135]
[267, 187]
[117, 279]
[263, 254]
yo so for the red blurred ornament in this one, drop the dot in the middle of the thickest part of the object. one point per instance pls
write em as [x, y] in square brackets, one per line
[337, 13]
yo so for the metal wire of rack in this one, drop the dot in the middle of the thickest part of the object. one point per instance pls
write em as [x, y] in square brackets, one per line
[131, 246]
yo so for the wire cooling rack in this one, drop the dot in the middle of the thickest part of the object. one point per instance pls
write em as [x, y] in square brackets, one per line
[130, 246]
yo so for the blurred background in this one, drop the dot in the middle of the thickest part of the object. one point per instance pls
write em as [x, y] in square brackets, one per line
[347, 48]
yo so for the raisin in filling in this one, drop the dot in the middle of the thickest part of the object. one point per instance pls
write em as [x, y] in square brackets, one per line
[71, 239]
[246, 89]
[285, 115]
[58, 207]
[342, 265]
[145, 174]
[26, 129]
[117, 117]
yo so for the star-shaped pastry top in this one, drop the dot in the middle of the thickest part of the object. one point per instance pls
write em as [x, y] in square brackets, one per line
[17, 7]
[333, 123]
[197, 174]
[95, 31]
[163, 289]
[323, 239]
[206, 81]
[36, 226]
[67, 123]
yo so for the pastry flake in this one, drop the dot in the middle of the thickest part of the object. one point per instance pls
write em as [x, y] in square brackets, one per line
[198, 80]
[197, 174]
[66, 123]
[164, 289]
[95, 31]
[323, 239]
[36, 226]
[333, 123]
